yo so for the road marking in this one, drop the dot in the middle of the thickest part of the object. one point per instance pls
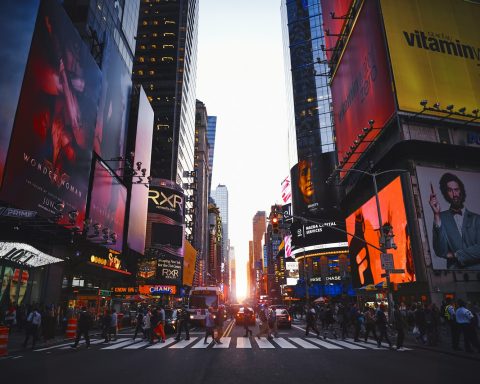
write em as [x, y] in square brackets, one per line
[324, 344]
[346, 345]
[121, 345]
[366, 345]
[283, 343]
[243, 342]
[264, 343]
[139, 345]
[162, 345]
[183, 343]
[201, 344]
[303, 343]
[225, 343]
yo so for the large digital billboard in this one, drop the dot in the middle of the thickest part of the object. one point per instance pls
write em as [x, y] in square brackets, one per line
[434, 52]
[111, 127]
[365, 260]
[361, 85]
[17, 22]
[107, 208]
[451, 210]
[334, 14]
[49, 159]
[139, 197]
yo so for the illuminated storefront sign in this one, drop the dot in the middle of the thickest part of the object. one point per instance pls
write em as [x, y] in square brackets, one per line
[127, 290]
[111, 262]
[157, 289]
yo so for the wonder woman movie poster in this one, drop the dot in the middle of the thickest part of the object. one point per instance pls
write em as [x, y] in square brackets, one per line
[50, 155]
[17, 22]
[111, 127]
[365, 261]
[107, 209]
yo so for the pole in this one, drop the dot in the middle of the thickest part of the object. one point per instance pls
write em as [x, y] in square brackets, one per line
[382, 246]
[307, 295]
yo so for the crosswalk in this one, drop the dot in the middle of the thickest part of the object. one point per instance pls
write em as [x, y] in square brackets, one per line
[194, 342]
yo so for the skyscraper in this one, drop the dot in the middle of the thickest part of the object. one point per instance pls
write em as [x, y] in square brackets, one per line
[211, 132]
[220, 195]
[259, 228]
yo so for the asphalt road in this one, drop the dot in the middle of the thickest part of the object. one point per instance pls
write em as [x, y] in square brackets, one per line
[288, 359]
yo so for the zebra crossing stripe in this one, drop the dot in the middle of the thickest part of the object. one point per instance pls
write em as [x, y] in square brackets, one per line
[283, 343]
[303, 343]
[184, 343]
[201, 344]
[366, 345]
[347, 345]
[121, 345]
[263, 343]
[243, 342]
[162, 345]
[138, 345]
[324, 344]
[225, 343]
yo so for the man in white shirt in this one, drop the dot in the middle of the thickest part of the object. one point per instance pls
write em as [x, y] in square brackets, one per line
[34, 320]
[464, 320]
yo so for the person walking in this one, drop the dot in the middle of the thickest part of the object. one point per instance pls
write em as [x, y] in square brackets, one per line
[465, 321]
[311, 318]
[263, 326]
[209, 325]
[420, 323]
[183, 318]
[219, 321]
[370, 323]
[139, 324]
[105, 322]
[112, 330]
[83, 327]
[160, 328]
[330, 323]
[272, 321]
[34, 320]
[248, 315]
[147, 325]
[357, 319]
[400, 324]
[381, 322]
[452, 324]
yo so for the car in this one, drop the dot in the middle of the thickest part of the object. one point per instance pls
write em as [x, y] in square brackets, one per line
[234, 308]
[278, 306]
[283, 318]
[240, 317]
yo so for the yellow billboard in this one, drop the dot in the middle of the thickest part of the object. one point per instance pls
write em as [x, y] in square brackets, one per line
[434, 47]
[189, 260]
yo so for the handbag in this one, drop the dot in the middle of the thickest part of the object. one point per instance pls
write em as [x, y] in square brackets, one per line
[416, 331]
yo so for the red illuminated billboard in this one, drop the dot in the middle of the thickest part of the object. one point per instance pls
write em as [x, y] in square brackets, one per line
[139, 197]
[49, 159]
[333, 24]
[107, 208]
[361, 86]
[365, 260]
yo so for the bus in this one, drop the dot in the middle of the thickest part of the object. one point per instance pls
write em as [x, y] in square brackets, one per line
[200, 299]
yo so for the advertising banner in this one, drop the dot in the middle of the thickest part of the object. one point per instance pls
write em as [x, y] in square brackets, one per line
[434, 52]
[361, 86]
[169, 270]
[17, 22]
[451, 210]
[112, 119]
[286, 190]
[107, 208]
[365, 260]
[139, 198]
[334, 23]
[189, 264]
[49, 159]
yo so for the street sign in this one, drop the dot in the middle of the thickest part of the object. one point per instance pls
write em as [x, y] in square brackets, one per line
[386, 260]
[393, 271]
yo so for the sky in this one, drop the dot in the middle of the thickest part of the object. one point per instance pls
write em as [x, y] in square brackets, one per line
[240, 78]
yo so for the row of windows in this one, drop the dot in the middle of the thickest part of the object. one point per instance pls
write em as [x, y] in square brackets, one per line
[155, 46]
[156, 22]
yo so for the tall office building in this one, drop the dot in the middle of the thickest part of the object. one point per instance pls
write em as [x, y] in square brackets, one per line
[200, 203]
[259, 228]
[233, 276]
[307, 68]
[211, 132]
[220, 195]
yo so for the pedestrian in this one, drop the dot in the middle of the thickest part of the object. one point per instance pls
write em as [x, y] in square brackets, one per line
[263, 326]
[400, 324]
[209, 325]
[147, 325]
[183, 319]
[113, 325]
[160, 328]
[329, 322]
[219, 321]
[34, 320]
[357, 320]
[370, 323]
[83, 327]
[311, 318]
[248, 315]
[420, 323]
[452, 324]
[341, 315]
[139, 324]
[272, 321]
[105, 322]
[465, 320]
[381, 322]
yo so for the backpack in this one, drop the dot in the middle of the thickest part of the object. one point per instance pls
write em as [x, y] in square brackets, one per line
[262, 315]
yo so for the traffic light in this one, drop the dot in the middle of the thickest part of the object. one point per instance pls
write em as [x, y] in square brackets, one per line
[275, 224]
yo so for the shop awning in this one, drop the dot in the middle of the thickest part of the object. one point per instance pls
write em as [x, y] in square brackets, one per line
[25, 255]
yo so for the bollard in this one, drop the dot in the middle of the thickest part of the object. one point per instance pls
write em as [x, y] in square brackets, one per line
[71, 328]
[4, 341]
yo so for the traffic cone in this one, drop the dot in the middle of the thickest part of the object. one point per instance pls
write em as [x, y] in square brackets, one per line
[4, 341]
[71, 328]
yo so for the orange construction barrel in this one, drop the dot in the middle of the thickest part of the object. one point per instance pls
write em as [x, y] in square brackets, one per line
[119, 320]
[3, 341]
[71, 328]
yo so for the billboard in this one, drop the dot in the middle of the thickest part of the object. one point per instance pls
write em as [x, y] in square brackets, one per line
[139, 194]
[333, 25]
[365, 260]
[189, 261]
[112, 119]
[286, 190]
[361, 85]
[451, 210]
[49, 159]
[311, 196]
[17, 22]
[440, 49]
[107, 208]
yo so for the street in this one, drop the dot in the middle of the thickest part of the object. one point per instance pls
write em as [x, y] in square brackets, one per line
[290, 357]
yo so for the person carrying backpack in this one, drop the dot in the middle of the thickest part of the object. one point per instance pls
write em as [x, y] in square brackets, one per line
[263, 326]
